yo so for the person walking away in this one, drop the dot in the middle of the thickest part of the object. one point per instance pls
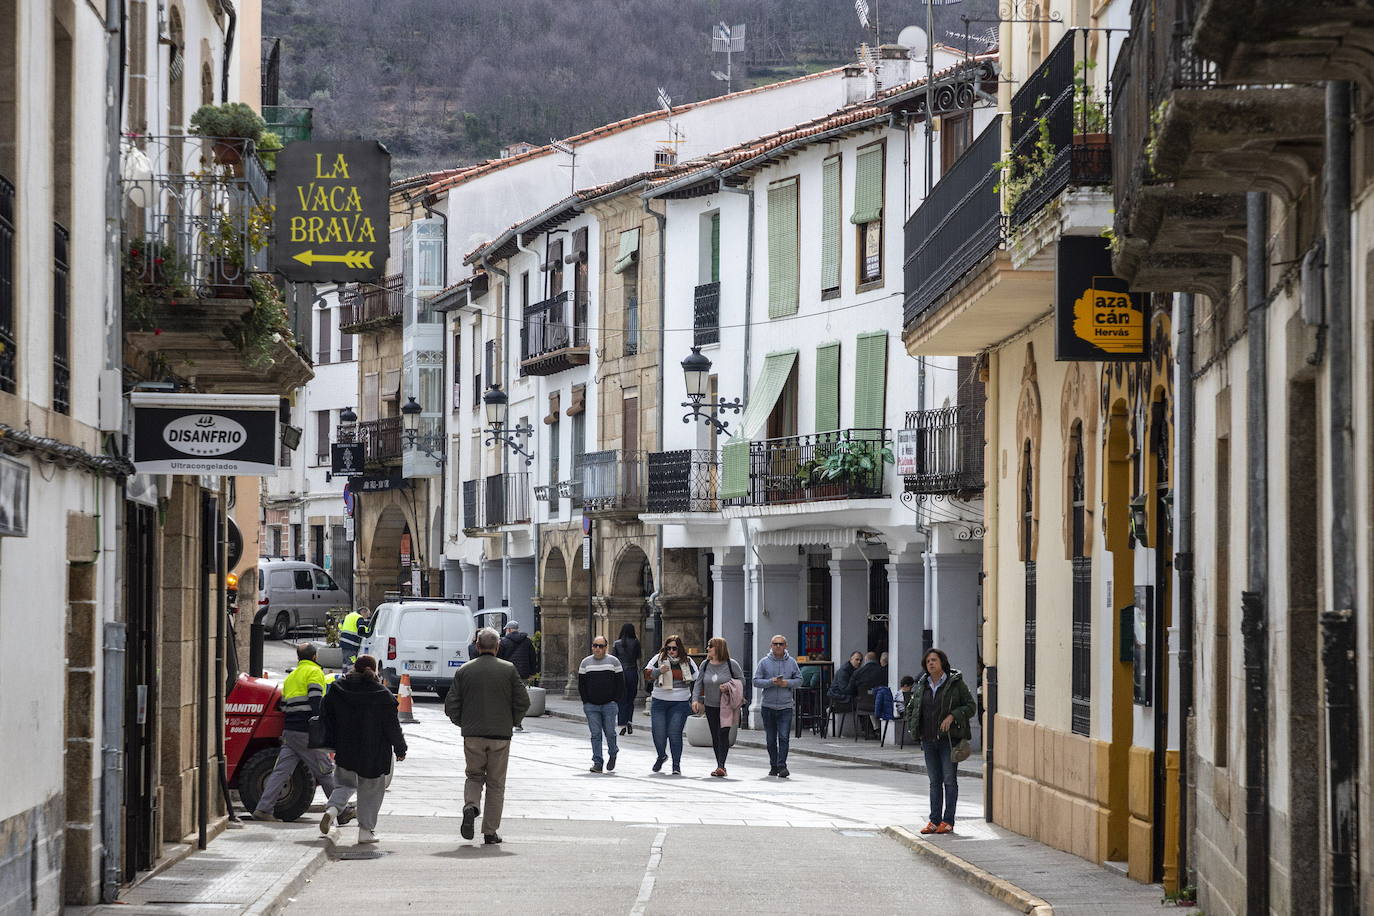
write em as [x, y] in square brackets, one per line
[672, 673]
[777, 673]
[600, 682]
[354, 629]
[628, 649]
[869, 675]
[363, 727]
[487, 700]
[517, 649]
[938, 716]
[718, 691]
[301, 692]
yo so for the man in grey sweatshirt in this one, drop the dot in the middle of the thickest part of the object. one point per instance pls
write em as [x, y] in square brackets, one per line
[779, 677]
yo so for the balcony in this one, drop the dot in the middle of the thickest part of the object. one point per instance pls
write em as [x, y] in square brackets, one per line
[289, 123]
[381, 440]
[706, 314]
[613, 483]
[791, 469]
[368, 306]
[945, 454]
[683, 481]
[1059, 130]
[554, 336]
[496, 500]
[1282, 41]
[1188, 145]
[197, 299]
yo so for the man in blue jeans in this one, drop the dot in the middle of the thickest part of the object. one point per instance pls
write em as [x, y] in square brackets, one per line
[779, 677]
[938, 714]
[600, 681]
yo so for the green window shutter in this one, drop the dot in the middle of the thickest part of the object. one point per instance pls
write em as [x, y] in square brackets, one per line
[827, 387]
[868, 186]
[783, 267]
[734, 469]
[830, 223]
[715, 247]
[629, 250]
[870, 380]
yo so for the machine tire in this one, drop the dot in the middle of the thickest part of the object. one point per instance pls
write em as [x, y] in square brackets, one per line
[280, 626]
[300, 788]
[442, 692]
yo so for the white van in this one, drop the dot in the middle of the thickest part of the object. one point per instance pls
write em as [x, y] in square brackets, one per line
[426, 638]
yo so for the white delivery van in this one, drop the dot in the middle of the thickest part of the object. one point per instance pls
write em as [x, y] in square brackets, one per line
[426, 638]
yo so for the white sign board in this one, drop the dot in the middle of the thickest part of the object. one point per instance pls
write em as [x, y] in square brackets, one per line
[908, 452]
[205, 433]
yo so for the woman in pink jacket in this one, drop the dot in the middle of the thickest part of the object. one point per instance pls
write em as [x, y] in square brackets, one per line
[719, 691]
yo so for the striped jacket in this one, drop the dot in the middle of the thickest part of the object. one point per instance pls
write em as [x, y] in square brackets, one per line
[600, 681]
[302, 693]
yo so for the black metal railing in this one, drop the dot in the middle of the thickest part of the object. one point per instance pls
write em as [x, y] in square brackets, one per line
[61, 322]
[794, 469]
[497, 499]
[381, 439]
[706, 314]
[959, 224]
[547, 328]
[683, 481]
[613, 480]
[949, 450]
[289, 122]
[368, 303]
[7, 350]
[1059, 128]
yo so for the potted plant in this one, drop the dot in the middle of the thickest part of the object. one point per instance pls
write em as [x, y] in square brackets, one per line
[226, 242]
[1090, 126]
[229, 125]
[153, 274]
[538, 696]
[263, 326]
[858, 463]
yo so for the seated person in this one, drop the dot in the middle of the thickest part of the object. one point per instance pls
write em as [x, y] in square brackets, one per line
[869, 675]
[904, 688]
[841, 692]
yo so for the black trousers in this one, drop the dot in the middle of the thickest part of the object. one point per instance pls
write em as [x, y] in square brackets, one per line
[720, 737]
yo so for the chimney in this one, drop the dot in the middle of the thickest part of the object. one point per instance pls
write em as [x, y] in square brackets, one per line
[856, 87]
[894, 66]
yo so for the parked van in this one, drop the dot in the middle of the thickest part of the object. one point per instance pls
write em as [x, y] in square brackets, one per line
[426, 638]
[297, 595]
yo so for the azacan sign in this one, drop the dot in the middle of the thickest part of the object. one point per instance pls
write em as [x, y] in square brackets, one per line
[1096, 317]
[332, 222]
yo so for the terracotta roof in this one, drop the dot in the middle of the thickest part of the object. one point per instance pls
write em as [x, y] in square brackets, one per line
[461, 175]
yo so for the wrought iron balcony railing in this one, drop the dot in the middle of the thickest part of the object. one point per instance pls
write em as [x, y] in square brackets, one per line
[706, 314]
[495, 500]
[289, 123]
[371, 305]
[792, 469]
[381, 439]
[683, 481]
[948, 450]
[1059, 104]
[7, 261]
[959, 224]
[554, 335]
[613, 480]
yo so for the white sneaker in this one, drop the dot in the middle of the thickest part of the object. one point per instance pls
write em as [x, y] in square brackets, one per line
[366, 836]
[327, 819]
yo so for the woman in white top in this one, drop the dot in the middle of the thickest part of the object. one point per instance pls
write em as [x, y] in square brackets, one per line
[671, 673]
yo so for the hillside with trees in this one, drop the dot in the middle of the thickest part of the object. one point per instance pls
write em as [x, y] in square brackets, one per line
[449, 82]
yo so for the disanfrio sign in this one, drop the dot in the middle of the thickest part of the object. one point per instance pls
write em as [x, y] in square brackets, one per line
[205, 433]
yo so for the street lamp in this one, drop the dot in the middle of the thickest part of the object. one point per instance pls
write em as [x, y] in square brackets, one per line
[696, 369]
[410, 425]
[497, 404]
[348, 425]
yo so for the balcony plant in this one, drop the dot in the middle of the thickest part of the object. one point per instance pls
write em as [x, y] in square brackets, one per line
[1020, 173]
[1090, 126]
[263, 326]
[153, 274]
[227, 240]
[229, 125]
[857, 462]
[269, 144]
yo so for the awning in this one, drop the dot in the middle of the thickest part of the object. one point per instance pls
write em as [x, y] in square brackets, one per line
[552, 416]
[629, 250]
[579, 401]
[734, 455]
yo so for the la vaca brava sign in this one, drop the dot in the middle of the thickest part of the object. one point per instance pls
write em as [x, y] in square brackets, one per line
[331, 220]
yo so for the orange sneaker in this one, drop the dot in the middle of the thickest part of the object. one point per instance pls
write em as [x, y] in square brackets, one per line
[930, 827]
[944, 828]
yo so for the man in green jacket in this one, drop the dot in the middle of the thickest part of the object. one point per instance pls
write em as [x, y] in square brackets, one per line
[938, 716]
[487, 700]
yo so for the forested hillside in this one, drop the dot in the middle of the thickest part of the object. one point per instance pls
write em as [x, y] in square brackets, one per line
[448, 82]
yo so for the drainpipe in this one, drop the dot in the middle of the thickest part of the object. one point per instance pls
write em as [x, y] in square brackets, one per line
[656, 599]
[228, 6]
[1183, 564]
[1254, 626]
[991, 576]
[1340, 669]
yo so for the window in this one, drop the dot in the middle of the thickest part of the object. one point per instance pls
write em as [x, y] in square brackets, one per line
[302, 579]
[476, 364]
[555, 268]
[1221, 685]
[298, 548]
[345, 347]
[830, 227]
[322, 341]
[870, 381]
[554, 432]
[1081, 658]
[827, 387]
[490, 367]
[580, 288]
[457, 369]
[317, 554]
[708, 268]
[782, 422]
[956, 133]
[783, 264]
[868, 212]
[579, 448]
[525, 288]
[631, 293]
[61, 179]
[1027, 535]
[8, 363]
[61, 336]
[321, 437]
[322, 581]
[371, 407]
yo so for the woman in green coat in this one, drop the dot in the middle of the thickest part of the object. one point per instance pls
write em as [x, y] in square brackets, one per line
[938, 716]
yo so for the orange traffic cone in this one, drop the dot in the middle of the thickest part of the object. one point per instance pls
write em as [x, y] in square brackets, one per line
[403, 700]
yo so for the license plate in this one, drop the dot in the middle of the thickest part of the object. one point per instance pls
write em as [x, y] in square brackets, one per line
[419, 666]
[454, 662]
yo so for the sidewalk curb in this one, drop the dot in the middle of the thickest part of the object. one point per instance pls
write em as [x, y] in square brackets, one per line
[273, 900]
[917, 768]
[995, 887]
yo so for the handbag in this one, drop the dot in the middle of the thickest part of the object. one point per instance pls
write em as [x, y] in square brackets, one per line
[961, 751]
[314, 733]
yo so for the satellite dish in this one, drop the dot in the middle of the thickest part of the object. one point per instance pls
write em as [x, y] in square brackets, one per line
[914, 38]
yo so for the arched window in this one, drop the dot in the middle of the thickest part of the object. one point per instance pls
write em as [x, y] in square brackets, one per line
[1081, 657]
[1028, 545]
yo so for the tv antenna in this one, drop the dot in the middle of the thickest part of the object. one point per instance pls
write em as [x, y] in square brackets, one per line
[568, 150]
[666, 154]
[727, 40]
[861, 10]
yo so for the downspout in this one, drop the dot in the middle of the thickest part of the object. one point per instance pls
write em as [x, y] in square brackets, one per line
[428, 204]
[504, 306]
[228, 7]
[656, 599]
[1254, 626]
[1183, 564]
[1340, 669]
[991, 517]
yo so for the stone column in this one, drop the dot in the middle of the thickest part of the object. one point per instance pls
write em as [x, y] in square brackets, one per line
[453, 577]
[520, 574]
[727, 618]
[954, 599]
[906, 610]
[848, 603]
[492, 588]
[774, 589]
[469, 587]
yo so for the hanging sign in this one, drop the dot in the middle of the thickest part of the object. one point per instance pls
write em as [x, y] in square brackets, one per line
[1096, 317]
[331, 223]
[346, 458]
[390, 480]
[205, 433]
[908, 452]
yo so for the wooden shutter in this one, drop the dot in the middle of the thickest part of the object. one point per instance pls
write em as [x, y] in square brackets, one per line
[830, 224]
[734, 476]
[629, 251]
[870, 381]
[783, 269]
[715, 247]
[868, 185]
[827, 387]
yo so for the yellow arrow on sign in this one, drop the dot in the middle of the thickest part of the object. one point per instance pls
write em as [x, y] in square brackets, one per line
[348, 259]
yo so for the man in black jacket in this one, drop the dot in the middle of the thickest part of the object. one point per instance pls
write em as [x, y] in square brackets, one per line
[517, 649]
[870, 675]
[600, 681]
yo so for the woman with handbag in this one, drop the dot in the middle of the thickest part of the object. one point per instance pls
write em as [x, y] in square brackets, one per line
[627, 649]
[938, 716]
[719, 692]
[671, 673]
[362, 725]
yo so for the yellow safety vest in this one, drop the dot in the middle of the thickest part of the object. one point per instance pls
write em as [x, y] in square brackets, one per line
[350, 623]
[303, 683]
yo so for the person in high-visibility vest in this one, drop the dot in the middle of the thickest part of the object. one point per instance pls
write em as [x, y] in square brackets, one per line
[301, 692]
[351, 632]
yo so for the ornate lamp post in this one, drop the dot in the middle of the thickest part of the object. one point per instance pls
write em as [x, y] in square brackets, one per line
[496, 403]
[696, 369]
